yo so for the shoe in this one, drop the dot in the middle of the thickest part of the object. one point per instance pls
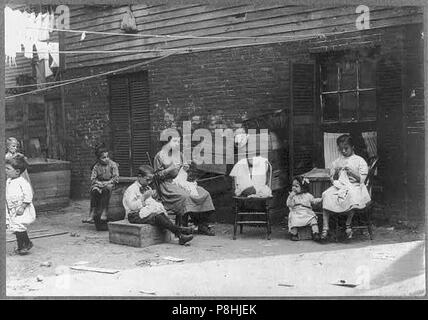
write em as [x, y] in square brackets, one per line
[348, 232]
[19, 241]
[324, 236]
[29, 246]
[202, 229]
[316, 237]
[88, 220]
[21, 252]
[294, 237]
[184, 239]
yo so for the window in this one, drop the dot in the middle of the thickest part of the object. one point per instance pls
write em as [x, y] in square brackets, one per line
[348, 87]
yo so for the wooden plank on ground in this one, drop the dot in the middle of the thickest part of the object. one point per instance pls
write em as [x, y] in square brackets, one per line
[42, 236]
[93, 269]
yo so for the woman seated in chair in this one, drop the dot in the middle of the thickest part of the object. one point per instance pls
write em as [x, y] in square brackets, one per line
[348, 174]
[177, 196]
[250, 177]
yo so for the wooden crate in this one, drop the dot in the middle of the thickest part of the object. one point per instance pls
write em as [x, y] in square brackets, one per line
[136, 235]
[305, 233]
[50, 180]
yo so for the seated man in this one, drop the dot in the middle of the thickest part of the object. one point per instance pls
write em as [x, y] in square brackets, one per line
[141, 208]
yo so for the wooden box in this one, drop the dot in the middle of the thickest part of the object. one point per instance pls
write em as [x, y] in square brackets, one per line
[50, 180]
[136, 235]
[305, 233]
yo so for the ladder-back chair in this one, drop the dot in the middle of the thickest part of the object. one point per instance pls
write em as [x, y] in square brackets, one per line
[259, 216]
[362, 216]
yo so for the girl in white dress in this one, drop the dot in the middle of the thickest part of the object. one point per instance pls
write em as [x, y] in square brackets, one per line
[348, 174]
[300, 203]
[20, 211]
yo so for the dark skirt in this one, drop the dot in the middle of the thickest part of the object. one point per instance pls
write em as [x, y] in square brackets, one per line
[179, 201]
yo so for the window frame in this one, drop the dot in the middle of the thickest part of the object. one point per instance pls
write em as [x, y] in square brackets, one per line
[339, 57]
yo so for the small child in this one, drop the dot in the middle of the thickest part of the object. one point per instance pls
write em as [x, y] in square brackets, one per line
[141, 208]
[300, 203]
[104, 177]
[12, 147]
[20, 211]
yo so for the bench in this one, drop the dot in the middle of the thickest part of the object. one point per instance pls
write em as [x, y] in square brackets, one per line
[136, 235]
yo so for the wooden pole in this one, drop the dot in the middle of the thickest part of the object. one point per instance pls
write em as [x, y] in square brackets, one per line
[291, 129]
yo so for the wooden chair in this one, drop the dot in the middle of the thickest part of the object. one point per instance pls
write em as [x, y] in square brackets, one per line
[362, 216]
[258, 217]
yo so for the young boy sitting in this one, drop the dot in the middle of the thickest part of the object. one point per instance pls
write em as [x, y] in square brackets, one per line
[20, 211]
[140, 207]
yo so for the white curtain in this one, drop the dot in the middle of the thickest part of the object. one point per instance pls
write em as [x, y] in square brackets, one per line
[330, 147]
[370, 138]
[331, 152]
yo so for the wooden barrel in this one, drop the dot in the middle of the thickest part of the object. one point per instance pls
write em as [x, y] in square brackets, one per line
[116, 210]
[319, 181]
[50, 180]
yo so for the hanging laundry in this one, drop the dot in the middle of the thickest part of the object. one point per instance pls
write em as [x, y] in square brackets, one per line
[12, 41]
[53, 48]
[23, 29]
[42, 50]
[51, 22]
[44, 27]
[40, 72]
[48, 71]
[29, 34]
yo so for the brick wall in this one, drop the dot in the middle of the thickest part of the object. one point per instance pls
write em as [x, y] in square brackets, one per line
[215, 89]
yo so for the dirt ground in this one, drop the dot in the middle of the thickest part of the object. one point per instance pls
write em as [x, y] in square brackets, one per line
[83, 245]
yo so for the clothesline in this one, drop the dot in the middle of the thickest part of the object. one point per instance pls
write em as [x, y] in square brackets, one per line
[142, 35]
[169, 36]
[91, 77]
[44, 83]
[69, 81]
[188, 49]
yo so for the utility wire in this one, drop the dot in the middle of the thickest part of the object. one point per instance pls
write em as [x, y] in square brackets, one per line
[90, 77]
[142, 35]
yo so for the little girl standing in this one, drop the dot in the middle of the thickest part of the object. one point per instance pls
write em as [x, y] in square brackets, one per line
[104, 177]
[20, 211]
[300, 203]
[12, 147]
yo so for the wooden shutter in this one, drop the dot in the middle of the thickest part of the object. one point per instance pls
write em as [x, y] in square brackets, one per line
[140, 119]
[120, 116]
[303, 120]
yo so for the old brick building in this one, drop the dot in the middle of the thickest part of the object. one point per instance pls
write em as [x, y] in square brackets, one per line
[219, 82]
